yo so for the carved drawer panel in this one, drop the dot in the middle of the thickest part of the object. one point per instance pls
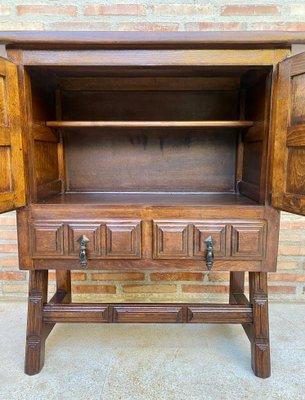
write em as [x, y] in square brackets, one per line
[107, 239]
[123, 239]
[248, 239]
[92, 232]
[204, 230]
[171, 239]
[47, 239]
[231, 239]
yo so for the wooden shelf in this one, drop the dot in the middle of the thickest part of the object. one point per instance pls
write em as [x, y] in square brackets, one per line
[151, 199]
[153, 124]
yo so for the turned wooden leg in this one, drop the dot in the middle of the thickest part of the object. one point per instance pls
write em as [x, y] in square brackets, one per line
[237, 284]
[36, 329]
[260, 347]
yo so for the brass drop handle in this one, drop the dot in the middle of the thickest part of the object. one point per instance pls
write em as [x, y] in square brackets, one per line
[83, 240]
[210, 252]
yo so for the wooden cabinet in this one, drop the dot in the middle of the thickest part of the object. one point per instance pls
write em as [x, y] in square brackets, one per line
[151, 151]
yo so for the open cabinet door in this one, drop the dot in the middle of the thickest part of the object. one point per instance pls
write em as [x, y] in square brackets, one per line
[12, 187]
[288, 167]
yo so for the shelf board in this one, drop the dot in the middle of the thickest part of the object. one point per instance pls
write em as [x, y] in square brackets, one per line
[150, 199]
[148, 124]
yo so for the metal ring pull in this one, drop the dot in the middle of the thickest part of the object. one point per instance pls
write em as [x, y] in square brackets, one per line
[210, 252]
[83, 240]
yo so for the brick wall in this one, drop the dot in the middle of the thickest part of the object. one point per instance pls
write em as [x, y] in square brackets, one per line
[173, 15]
[169, 15]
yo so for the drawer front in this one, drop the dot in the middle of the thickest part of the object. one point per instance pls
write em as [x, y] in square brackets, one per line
[123, 240]
[171, 240]
[218, 233]
[47, 239]
[248, 240]
[231, 239]
[108, 239]
[92, 232]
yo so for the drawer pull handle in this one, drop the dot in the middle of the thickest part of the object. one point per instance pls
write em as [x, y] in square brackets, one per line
[210, 253]
[83, 240]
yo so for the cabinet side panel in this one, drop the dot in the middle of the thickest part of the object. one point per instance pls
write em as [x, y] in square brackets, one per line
[257, 108]
[45, 141]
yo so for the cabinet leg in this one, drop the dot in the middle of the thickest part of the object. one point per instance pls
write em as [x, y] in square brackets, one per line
[37, 331]
[237, 284]
[63, 284]
[260, 347]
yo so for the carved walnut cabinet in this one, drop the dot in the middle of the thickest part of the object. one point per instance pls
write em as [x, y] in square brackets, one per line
[147, 151]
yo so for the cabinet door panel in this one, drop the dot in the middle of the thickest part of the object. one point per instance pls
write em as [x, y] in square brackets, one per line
[12, 187]
[288, 174]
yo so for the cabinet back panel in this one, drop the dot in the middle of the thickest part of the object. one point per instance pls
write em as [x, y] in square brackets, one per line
[149, 105]
[150, 160]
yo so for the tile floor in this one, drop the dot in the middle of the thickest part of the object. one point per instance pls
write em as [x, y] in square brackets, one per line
[153, 362]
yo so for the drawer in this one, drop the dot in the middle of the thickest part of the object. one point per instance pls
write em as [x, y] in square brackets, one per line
[47, 239]
[108, 239]
[172, 239]
[248, 239]
[185, 239]
[231, 239]
[218, 233]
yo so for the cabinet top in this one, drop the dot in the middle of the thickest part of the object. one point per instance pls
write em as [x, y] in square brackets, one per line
[94, 39]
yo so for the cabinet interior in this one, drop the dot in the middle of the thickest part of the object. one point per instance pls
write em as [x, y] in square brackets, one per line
[149, 135]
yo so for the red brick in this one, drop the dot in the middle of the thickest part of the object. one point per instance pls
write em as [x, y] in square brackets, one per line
[94, 289]
[282, 289]
[298, 224]
[115, 9]
[149, 288]
[285, 250]
[8, 248]
[286, 277]
[5, 10]
[204, 289]
[212, 26]
[46, 10]
[182, 9]
[8, 235]
[283, 264]
[16, 289]
[9, 262]
[79, 26]
[118, 276]
[12, 276]
[218, 276]
[75, 276]
[148, 26]
[287, 236]
[282, 26]
[7, 220]
[176, 276]
[250, 10]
